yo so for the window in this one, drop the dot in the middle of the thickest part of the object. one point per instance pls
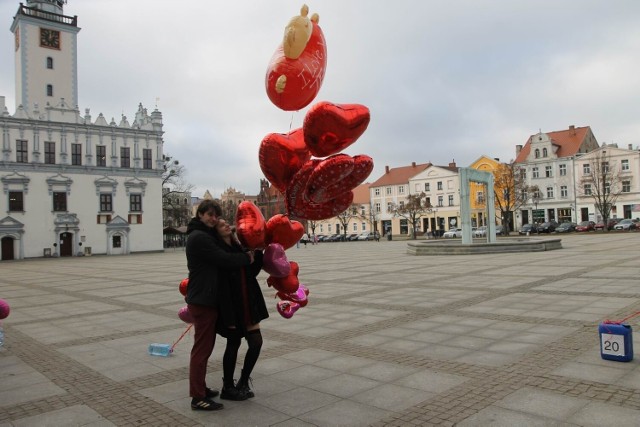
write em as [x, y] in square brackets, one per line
[624, 165]
[321, 228]
[59, 201]
[626, 186]
[427, 186]
[450, 199]
[439, 185]
[480, 197]
[427, 201]
[523, 173]
[101, 155]
[587, 189]
[355, 226]
[363, 226]
[328, 228]
[544, 152]
[535, 173]
[146, 158]
[417, 187]
[21, 151]
[440, 201]
[125, 159]
[50, 153]
[388, 191]
[378, 207]
[76, 154]
[607, 187]
[362, 210]
[586, 169]
[401, 189]
[389, 206]
[401, 205]
[106, 203]
[549, 192]
[605, 167]
[117, 241]
[563, 170]
[537, 153]
[563, 191]
[376, 191]
[16, 202]
[135, 202]
[49, 90]
[547, 171]
[49, 63]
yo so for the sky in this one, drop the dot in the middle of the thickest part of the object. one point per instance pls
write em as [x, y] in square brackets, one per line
[444, 80]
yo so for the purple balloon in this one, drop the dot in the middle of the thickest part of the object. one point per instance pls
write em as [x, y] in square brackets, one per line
[184, 315]
[274, 261]
[4, 309]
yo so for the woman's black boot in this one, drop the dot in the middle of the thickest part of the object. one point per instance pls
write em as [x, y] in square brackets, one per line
[243, 385]
[231, 392]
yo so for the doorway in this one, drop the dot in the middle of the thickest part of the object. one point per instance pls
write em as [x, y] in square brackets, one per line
[7, 249]
[66, 244]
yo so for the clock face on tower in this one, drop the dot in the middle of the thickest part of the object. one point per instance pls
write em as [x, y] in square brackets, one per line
[49, 38]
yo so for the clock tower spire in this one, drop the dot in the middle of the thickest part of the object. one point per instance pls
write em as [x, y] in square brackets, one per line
[46, 55]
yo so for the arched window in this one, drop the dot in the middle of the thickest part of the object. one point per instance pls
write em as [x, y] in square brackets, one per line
[49, 90]
[537, 153]
[544, 152]
[49, 63]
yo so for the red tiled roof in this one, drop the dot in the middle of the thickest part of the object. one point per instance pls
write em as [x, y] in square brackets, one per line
[361, 194]
[568, 142]
[400, 175]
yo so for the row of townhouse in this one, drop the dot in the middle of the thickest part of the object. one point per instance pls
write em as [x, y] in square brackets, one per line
[557, 163]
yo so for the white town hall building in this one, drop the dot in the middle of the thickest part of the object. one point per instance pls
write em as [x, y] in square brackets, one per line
[71, 185]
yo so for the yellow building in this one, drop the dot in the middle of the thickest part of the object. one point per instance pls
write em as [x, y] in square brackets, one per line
[478, 192]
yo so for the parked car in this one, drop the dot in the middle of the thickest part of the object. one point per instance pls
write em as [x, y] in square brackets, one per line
[586, 226]
[528, 228]
[454, 232]
[566, 227]
[480, 231]
[610, 224]
[625, 224]
[500, 229]
[352, 237]
[548, 227]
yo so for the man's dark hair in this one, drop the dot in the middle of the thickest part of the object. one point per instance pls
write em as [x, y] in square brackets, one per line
[208, 205]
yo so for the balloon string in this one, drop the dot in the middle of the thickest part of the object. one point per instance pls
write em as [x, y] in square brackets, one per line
[291, 122]
[181, 336]
[617, 322]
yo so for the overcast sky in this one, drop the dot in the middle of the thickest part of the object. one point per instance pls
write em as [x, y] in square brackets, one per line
[443, 80]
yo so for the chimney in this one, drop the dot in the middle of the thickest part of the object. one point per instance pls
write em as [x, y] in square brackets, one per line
[386, 169]
[452, 164]
[518, 149]
[572, 128]
[497, 159]
[413, 164]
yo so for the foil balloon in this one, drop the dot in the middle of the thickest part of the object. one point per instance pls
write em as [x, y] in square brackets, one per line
[287, 284]
[287, 308]
[274, 261]
[281, 156]
[250, 225]
[329, 180]
[297, 68]
[183, 286]
[280, 229]
[185, 315]
[299, 296]
[330, 128]
[4, 309]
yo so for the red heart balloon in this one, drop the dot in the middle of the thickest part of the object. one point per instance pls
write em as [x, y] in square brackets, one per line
[326, 174]
[362, 167]
[330, 128]
[292, 83]
[183, 286]
[281, 156]
[280, 229]
[298, 203]
[287, 308]
[299, 296]
[287, 284]
[250, 225]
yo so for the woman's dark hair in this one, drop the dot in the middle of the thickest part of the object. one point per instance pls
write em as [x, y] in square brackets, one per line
[208, 205]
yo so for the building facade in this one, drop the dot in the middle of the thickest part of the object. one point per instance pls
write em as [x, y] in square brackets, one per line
[72, 185]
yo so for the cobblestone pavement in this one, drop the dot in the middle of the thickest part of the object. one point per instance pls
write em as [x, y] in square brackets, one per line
[388, 339]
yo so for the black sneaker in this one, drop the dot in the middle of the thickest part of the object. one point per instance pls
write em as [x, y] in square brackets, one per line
[210, 394]
[232, 393]
[205, 404]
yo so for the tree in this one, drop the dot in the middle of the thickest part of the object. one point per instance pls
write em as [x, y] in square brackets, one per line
[415, 207]
[176, 193]
[371, 217]
[229, 209]
[511, 191]
[345, 218]
[602, 183]
[312, 225]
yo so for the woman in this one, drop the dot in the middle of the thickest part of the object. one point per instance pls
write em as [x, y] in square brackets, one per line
[204, 259]
[241, 310]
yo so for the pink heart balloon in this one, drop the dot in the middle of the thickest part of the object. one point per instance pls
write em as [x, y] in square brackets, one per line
[287, 308]
[274, 261]
[184, 315]
[299, 296]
